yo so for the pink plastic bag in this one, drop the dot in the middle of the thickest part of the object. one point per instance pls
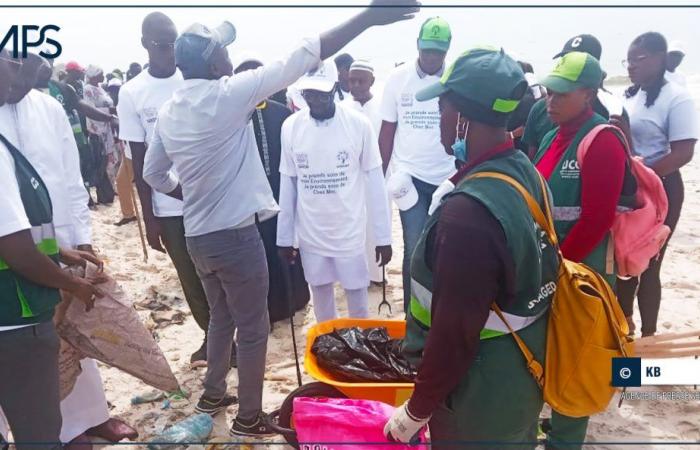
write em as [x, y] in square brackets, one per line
[349, 422]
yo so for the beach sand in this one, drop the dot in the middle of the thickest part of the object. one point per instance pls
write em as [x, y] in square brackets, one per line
[156, 282]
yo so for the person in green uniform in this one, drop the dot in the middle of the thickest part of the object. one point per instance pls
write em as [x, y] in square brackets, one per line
[480, 251]
[538, 121]
[30, 279]
[586, 194]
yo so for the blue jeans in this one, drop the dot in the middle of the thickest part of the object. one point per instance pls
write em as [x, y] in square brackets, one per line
[412, 222]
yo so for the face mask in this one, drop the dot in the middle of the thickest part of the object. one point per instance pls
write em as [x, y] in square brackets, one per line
[459, 148]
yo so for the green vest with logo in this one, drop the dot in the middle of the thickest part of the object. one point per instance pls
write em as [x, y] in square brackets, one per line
[565, 184]
[21, 300]
[535, 258]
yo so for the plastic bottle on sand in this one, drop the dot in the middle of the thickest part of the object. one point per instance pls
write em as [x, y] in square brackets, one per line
[195, 429]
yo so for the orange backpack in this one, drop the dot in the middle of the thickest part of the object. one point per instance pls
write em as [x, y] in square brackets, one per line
[586, 328]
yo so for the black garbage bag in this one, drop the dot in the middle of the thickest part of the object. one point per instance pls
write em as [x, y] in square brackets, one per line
[369, 355]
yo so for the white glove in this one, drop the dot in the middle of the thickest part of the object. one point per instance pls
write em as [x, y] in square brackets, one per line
[445, 188]
[402, 426]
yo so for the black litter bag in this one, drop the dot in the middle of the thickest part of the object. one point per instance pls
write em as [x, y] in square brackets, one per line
[369, 355]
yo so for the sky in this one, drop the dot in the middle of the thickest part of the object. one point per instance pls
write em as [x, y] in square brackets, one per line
[110, 37]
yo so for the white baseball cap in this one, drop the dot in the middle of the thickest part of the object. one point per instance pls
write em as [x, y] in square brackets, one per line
[676, 46]
[323, 78]
[402, 190]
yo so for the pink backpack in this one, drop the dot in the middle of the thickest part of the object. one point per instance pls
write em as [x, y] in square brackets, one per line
[638, 234]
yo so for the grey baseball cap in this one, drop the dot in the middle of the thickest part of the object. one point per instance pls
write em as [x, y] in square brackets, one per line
[194, 47]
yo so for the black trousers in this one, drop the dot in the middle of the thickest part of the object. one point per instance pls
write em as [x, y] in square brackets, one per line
[647, 288]
[29, 391]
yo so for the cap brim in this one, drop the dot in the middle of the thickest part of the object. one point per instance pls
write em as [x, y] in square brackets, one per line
[225, 33]
[559, 85]
[430, 92]
[315, 85]
[428, 44]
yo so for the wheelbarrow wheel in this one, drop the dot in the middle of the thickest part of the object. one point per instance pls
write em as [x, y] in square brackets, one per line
[315, 389]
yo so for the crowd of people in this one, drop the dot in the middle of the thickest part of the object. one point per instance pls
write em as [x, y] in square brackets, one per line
[267, 182]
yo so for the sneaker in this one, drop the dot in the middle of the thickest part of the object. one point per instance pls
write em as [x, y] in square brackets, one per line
[212, 407]
[199, 358]
[260, 427]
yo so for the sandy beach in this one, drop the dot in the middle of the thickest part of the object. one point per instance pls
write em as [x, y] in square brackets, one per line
[154, 285]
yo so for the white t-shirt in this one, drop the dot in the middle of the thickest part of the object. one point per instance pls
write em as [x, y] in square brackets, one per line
[13, 217]
[671, 118]
[329, 159]
[139, 101]
[370, 109]
[38, 127]
[204, 131]
[417, 147]
[677, 77]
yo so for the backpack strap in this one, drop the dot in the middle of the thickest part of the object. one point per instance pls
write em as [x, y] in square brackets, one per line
[587, 140]
[545, 221]
[543, 218]
[534, 366]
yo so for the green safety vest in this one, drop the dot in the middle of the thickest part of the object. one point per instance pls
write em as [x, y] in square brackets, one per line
[73, 116]
[565, 184]
[21, 300]
[535, 259]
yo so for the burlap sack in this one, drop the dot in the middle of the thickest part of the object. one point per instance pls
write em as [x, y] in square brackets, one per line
[68, 368]
[113, 333]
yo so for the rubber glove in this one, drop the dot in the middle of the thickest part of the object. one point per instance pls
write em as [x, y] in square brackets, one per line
[445, 188]
[403, 426]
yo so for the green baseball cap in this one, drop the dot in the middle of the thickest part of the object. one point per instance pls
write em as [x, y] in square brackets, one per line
[435, 34]
[487, 76]
[574, 70]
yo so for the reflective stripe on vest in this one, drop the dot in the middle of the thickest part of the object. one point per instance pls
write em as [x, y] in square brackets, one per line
[572, 213]
[44, 238]
[421, 302]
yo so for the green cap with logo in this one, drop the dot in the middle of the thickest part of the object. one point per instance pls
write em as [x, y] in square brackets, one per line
[487, 76]
[435, 34]
[574, 70]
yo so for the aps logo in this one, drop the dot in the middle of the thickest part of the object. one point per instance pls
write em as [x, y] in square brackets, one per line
[19, 38]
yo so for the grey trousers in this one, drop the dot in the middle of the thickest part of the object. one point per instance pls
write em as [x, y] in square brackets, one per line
[233, 270]
[29, 393]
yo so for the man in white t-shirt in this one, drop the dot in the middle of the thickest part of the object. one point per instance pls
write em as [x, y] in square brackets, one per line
[139, 101]
[330, 177]
[360, 82]
[204, 132]
[410, 134]
[674, 58]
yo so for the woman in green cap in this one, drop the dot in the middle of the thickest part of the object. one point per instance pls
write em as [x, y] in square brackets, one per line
[586, 193]
[480, 251]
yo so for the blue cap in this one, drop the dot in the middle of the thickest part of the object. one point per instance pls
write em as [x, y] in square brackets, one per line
[194, 47]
